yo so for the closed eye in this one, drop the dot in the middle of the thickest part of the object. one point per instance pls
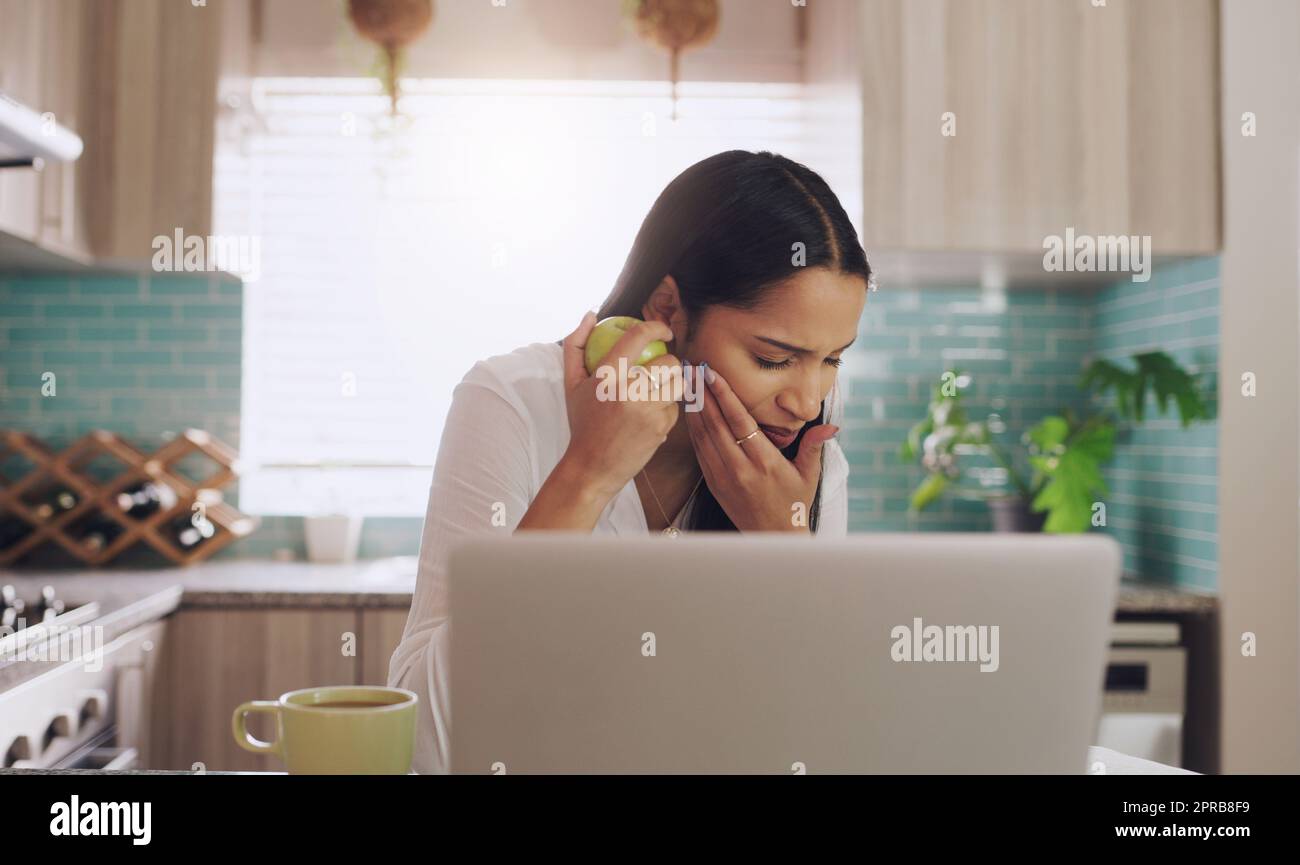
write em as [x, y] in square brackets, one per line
[765, 363]
[772, 364]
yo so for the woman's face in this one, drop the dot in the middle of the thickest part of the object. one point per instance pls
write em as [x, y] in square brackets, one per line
[781, 357]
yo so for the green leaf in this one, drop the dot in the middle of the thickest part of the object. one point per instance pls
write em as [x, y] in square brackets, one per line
[1043, 464]
[929, 490]
[1074, 482]
[1156, 372]
[910, 448]
[1049, 433]
[1097, 441]
[1102, 375]
[1170, 381]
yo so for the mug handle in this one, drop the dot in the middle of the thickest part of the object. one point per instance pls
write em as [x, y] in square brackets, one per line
[242, 737]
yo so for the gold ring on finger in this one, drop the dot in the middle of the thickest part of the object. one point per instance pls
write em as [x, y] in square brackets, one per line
[756, 431]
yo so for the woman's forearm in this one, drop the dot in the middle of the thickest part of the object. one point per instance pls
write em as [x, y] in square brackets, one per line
[568, 500]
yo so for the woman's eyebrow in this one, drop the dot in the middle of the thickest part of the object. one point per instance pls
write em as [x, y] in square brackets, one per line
[796, 349]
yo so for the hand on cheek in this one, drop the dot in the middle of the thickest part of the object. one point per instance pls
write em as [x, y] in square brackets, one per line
[754, 483]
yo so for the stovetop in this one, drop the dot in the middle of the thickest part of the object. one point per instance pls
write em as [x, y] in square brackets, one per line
[18, 612]
[25, 618]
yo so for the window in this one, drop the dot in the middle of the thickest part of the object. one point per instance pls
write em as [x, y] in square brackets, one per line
[393, 256]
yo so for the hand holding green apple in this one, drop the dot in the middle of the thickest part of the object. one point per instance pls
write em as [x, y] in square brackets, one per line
[607, 334]
[611, 440]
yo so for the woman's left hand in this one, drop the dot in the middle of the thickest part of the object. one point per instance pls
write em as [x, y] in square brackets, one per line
[754, 483]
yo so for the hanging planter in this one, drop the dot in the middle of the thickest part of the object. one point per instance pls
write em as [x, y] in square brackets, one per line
[675, 26]
[392, 25]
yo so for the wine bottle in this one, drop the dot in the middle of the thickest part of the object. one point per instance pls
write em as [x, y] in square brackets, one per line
[98, 532]
[146, 499]
[189, 535]
[63, 500]
[13, 530]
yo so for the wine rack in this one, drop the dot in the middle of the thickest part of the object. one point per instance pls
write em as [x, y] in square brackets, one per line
[97, 501]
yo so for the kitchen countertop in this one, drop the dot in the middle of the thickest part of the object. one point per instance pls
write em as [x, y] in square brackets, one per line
[1144, 596]
[238, 583]
[129, 598]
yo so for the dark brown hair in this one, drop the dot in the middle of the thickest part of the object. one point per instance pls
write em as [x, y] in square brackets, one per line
[724, 229]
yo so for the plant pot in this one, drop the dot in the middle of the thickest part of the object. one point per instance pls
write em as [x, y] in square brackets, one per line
[1012, 514]
[333, 538]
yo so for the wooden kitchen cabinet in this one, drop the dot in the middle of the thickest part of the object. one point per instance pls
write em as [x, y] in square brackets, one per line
[381, 631]
[137, 80]
[20, 80]
[41, 67]
[150, 139]
[219, 658]
[1100, 118]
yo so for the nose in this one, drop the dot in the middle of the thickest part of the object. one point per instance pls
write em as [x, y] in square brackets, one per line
[803, 398]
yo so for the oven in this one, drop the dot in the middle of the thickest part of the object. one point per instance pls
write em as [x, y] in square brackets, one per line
[1144, 704]
[88, 710]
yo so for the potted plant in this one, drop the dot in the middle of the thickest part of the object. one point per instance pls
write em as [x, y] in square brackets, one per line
[1064, 452]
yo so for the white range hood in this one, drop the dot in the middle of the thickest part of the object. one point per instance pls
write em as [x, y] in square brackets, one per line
[26, 136]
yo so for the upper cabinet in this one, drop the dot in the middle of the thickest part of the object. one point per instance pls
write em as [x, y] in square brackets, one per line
[988, 125]
[137, 80]
[40, 67]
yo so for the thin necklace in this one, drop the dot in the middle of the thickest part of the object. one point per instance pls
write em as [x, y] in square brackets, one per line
[670, 530]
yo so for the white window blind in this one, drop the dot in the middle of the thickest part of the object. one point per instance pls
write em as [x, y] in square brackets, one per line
[393, 256]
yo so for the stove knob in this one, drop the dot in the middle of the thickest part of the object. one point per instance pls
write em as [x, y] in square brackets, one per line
[93, 703]
[19, 751]
[12, 613]
[49, 606]
[62, 725]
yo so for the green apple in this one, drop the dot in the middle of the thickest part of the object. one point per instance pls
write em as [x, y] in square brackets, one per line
[609, 331]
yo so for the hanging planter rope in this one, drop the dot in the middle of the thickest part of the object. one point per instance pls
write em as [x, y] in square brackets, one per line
[392, 25]
[674, 25]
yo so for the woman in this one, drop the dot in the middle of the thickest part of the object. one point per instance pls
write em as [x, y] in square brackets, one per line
[749, 269]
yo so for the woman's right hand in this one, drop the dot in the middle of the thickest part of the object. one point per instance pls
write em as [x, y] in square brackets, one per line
[610, 440]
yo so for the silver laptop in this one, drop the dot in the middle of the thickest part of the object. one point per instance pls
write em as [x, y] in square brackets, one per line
[917, 653]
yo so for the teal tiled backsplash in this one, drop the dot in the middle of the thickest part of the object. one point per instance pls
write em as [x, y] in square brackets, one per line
[1024, 351]
[138, 355]
[143, 355]
[1163, 503]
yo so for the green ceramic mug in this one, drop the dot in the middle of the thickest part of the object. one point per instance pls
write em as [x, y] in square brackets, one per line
[336, 730]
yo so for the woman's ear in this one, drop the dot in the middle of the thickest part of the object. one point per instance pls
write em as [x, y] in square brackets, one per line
[665, 304]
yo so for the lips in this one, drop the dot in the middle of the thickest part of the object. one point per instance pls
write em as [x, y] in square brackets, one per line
[779, 436]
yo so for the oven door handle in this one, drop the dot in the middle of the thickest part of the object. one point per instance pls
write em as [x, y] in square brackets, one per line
[115, 759]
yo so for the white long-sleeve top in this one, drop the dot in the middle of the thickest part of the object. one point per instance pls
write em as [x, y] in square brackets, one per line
[506, 430]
